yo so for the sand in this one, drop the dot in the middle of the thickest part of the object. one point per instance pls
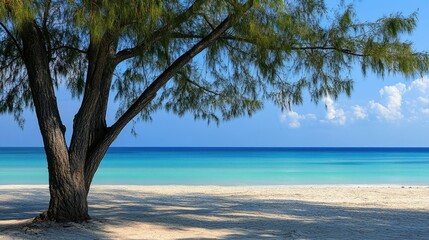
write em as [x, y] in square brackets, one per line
[212, 212]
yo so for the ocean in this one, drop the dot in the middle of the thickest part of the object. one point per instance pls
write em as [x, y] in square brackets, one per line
[234, 166]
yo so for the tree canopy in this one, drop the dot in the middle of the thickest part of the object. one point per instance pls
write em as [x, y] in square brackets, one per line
[274, 50]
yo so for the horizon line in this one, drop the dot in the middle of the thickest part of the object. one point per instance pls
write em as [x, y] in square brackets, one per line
[238, 147]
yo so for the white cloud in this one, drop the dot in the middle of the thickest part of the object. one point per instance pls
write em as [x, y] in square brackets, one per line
[421, 85]
[407, 101]
[391, 110]
[359, 112]
[403, 102]
[293, 118]
[334, 114]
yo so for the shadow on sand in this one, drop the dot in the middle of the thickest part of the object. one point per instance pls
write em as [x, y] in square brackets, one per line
[229, 216]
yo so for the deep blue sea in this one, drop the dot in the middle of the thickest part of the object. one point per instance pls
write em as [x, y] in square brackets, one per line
[235, 166]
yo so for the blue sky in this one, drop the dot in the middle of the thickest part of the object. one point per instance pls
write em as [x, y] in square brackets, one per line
[393, 111]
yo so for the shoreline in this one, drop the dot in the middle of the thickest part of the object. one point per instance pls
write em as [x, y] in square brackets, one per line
[226, 186]
[226, 212]
[11, 186]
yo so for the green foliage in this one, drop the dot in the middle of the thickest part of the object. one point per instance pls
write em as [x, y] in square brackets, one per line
[274, 51]
[14, 89]
[19, 11]
[99, 17]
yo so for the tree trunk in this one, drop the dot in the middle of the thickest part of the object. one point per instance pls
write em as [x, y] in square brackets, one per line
[68, 199]
[69, 193]
[66, 178]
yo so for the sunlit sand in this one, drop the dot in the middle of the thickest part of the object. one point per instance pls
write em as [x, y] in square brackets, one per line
[211, 212]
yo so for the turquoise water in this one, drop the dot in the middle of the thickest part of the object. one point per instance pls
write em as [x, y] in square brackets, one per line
[235, 166]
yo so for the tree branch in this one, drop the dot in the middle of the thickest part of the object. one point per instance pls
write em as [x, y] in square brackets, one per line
[250, 41]
[9, 63]
[157, 35]
[203, 88]
[206, 19]
[45, 30]
[13, 39]
[46, 14]
[343, 50]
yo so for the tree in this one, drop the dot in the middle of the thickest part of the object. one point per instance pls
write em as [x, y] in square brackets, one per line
[146, 51]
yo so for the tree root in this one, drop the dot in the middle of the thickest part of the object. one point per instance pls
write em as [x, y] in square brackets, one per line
[43, 217]
[46, 217]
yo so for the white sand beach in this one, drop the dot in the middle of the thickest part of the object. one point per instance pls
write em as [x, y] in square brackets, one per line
[211, 212]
